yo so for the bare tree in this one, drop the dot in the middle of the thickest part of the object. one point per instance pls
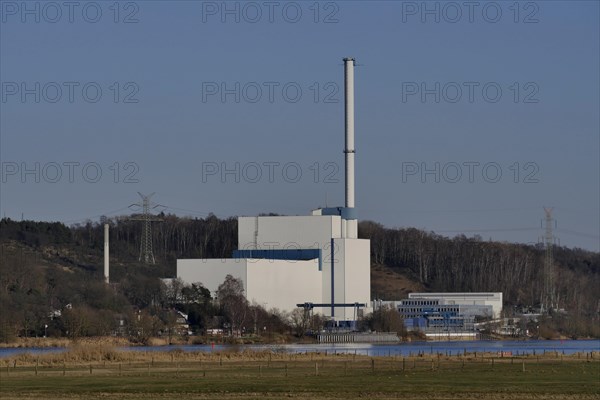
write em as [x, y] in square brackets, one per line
[172, 291]
[387, 319]
[143, 326]
[230, 295]
[77, 321]
[300, 321]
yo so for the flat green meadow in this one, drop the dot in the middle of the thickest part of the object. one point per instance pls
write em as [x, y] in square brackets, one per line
[304, 376]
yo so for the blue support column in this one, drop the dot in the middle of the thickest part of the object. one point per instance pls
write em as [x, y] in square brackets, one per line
[332, 281]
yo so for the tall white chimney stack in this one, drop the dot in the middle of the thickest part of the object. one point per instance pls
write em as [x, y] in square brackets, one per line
[106, 253]
[349, 112]
[349, 222]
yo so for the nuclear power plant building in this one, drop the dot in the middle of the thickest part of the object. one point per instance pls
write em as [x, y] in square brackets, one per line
[284, 261]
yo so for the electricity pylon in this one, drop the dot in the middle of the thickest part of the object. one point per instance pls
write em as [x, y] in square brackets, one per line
[549, 298]
[146, 253]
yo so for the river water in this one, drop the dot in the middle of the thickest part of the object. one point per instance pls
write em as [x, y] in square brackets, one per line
[405, 349]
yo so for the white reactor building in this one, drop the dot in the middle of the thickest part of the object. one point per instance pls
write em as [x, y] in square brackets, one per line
[285, 261]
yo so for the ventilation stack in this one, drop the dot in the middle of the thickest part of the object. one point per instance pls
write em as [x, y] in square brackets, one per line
[351, 223]
[106, 277]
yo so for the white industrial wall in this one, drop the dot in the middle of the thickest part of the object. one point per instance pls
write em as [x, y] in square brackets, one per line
[211, 272]
[307, 232]
[357, 277]
[284, 283]
[351, 275]
[271, 283]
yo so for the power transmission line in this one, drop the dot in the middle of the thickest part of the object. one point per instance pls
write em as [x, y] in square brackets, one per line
[575, 233]
[484, 230]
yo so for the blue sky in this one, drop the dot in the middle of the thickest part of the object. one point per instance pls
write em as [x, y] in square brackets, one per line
[188, 89]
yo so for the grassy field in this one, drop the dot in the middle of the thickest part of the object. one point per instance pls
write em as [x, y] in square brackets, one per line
[104, 373]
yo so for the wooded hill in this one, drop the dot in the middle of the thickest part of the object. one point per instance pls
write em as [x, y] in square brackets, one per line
[44, 266]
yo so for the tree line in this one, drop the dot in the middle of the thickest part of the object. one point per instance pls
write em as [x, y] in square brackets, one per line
[46, 266]
[464, 264]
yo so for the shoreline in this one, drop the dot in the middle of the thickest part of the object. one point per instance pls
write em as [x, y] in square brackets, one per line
[202, 340]
[124, 342]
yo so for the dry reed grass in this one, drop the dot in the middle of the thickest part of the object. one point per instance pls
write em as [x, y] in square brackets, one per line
[90, 352]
